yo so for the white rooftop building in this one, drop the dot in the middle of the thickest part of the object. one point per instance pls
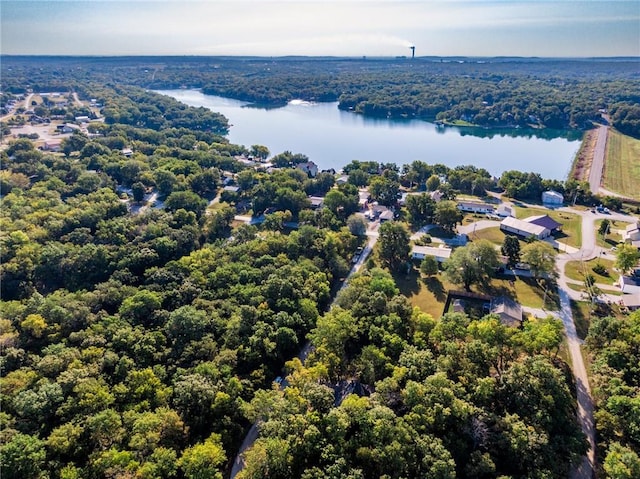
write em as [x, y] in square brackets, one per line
[552, 197]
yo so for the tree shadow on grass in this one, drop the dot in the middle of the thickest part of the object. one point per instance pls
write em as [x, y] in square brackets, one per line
[407, 283]
[436, 287]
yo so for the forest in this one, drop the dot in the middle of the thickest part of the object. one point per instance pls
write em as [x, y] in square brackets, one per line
[489, 92]
[141, 341]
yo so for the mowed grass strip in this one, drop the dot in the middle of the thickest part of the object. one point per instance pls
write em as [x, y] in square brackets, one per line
[430, 294]
[571, 223]
[574, 270]
[622, 165]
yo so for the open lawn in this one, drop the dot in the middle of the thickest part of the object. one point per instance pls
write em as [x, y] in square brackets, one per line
[613, 237]
[580, 311]
[574, 270]
[622, 165]
[430, 294]
[494, 235]
[571, 223]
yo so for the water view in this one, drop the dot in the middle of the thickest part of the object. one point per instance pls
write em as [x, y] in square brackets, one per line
[332, 138]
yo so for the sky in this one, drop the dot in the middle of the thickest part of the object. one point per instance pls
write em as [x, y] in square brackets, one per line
[559, 28]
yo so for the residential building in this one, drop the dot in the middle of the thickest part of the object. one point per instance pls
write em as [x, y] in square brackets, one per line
[630, 287]
[551, 197]
[386, 215]
[504, 210]
[524, 228]
[309, 167]
[508, 310]
[436, 196]
[439, 253]
[631, 234]
[475, 207]
[316, 202]
[52, 145]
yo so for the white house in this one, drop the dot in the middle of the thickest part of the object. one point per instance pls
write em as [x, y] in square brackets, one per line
[552, 197]
[630, 287]
[52, 145]
[316, 202]
[309, 167]
[631, 233]
[440, 254]
[436, 195]
[524, 228]
[504, 210]
[475, 207]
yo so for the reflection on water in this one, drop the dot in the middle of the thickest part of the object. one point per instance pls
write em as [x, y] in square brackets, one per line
[332, 137]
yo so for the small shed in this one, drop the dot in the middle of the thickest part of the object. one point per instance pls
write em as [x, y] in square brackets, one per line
[552, 197]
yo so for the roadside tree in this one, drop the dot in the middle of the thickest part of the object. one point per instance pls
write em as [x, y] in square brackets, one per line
[541, 257]
[393, 244]
[511, 249]
[421, 209]
[626, 257]
[447, 215]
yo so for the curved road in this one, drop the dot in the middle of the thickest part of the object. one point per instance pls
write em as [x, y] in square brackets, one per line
[588, 250]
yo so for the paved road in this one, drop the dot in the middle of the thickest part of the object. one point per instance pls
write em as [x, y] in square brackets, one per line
[597, 165]
[585, 404]
[587, 251]
[252, 435]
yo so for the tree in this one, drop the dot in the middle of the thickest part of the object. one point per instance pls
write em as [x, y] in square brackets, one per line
[429, 266]
[186, 200]
[541, 257]
[511, 249]
[421, 209]
[259, 151]
[22, 457]
[357, 225]
[622, 462]
[138, 191]
[433, 183]
[393, 244]
[384, 190]
[626, 257]
[472, 263]
[604, 227]
[448, 215]
[203, 461]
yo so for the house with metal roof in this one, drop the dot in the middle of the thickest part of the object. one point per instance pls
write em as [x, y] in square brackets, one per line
[546, 221]
[524, 228]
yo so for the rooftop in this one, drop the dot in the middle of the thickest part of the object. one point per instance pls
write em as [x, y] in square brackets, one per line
[544, 220]
[523, 225]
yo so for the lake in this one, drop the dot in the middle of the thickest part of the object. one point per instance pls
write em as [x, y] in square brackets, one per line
[332, 138]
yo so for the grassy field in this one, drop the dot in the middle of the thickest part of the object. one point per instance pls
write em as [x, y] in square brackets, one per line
[430, 294]
[622, 165]
[613, 237]
[573, 270]
[580, 311]
[571, 223]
